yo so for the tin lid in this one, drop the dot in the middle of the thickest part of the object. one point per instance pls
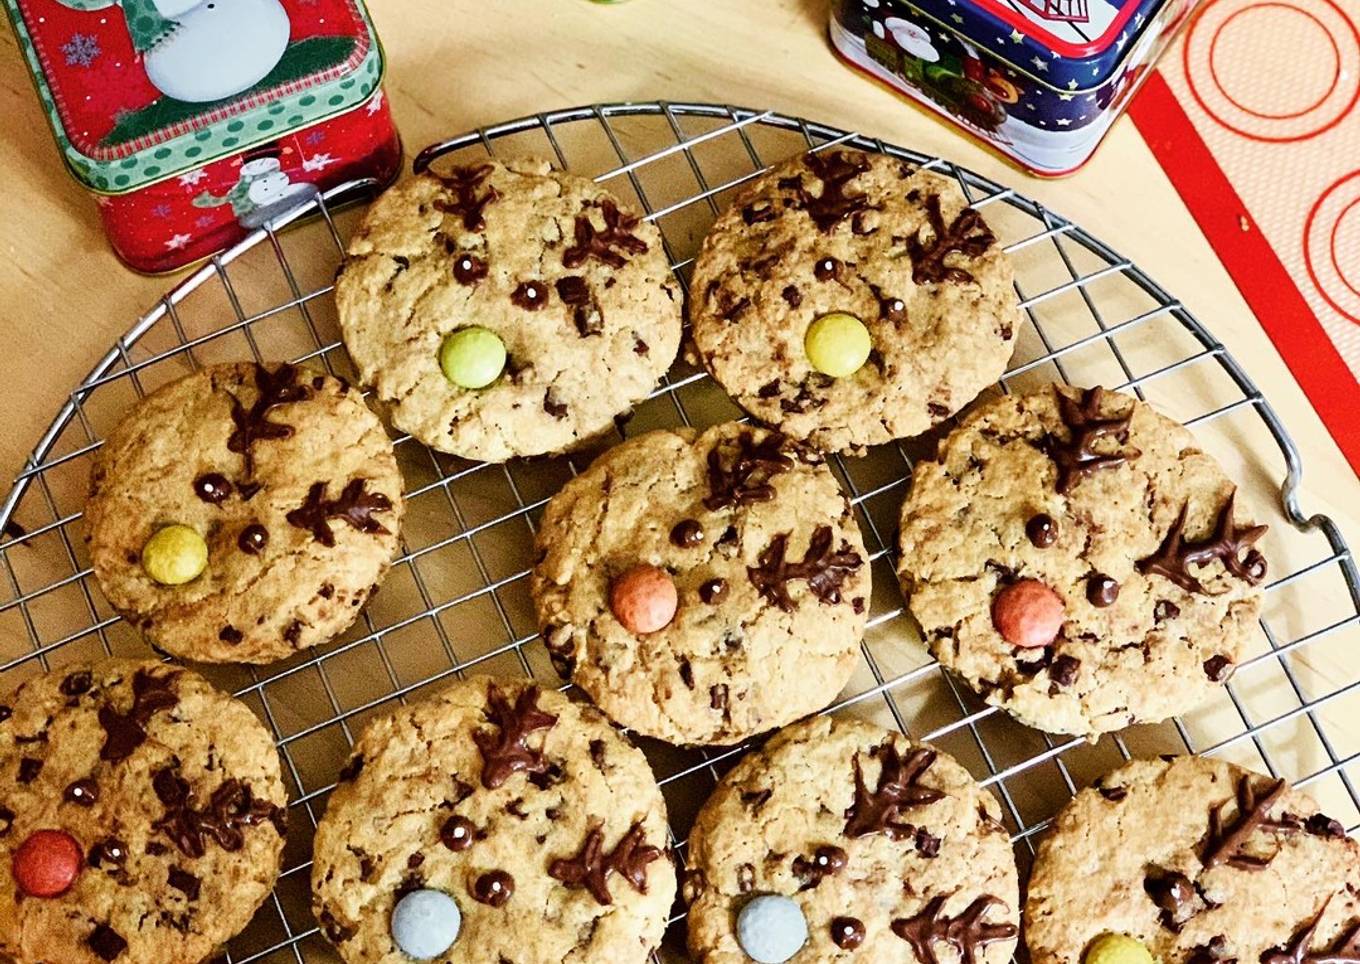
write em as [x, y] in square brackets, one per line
[140, 90]
[1065, 45]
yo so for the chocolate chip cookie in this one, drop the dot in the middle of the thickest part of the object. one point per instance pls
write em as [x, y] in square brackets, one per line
[530, 812]
[277, 481]
[1078, 560]
[141, 816]
[749, 555]
[868, 235]
[889, 847]
[571, 282]
[1202, 862]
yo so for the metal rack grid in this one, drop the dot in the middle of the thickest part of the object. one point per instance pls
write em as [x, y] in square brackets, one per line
[457, 596]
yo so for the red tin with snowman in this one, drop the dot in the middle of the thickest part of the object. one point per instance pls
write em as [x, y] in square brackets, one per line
[195, 122]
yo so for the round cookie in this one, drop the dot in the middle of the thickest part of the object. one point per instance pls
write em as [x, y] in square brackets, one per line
[540, 821]
[169, 795]
[281, 476]
[1079, 561]
[1200, 860]
[871, 236]
[889, 847]
[574, 285]
[768, 568]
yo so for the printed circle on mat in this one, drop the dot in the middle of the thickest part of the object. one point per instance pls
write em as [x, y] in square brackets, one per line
[1313, 48]
[1331, 246]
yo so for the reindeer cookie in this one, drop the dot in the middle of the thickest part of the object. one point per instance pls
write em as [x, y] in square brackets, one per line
[703, 587]
[244, 512]
[1080, 562]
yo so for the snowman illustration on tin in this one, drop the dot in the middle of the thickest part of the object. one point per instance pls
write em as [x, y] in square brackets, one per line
[203, 50]
[262, 190]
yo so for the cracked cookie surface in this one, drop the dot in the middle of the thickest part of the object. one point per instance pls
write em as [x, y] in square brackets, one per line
[1114, 507]
[882, 841]
[867, 234]
[289, 478]
[171, 789]
[541, 821]
[1203, 862]
[575, 285]
[767, 561]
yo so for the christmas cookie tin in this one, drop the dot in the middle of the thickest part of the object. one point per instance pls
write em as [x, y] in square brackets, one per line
[197, 121]
[1040, 80]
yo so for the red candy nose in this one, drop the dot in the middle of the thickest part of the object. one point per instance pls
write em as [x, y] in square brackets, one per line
[1028, 613]
[47, 863]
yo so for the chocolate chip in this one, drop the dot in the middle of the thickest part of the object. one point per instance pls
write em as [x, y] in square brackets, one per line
[1164, 610]
[1218, 668]
[756, 799]
[1064, 669]
[757, 212]
[769, 389]
[825, 861]
[687, 533]
[106, 943]
[293, 634]
[326, 591]
[597, 752]
[713, 591]
[414, 861]
[1042, 530]
[29, 768]
[230, 635]
[530, 295]
[792, 295]
[1321, 825]
[77, 684]
[1101, 590]
[693, 883]
[927, 844]
[639, 346]
[1113, 794]
[458, 833]
[253, 539]
[746, 878]
[213, 488]
[687, 674]
[185, 882]
[5, 713]
[469, 269]
[110, 851]
[717, 696]
[83, 793]
[6, 820]
[494, 888]
[552, 406]
[847, 933]
[352, 769]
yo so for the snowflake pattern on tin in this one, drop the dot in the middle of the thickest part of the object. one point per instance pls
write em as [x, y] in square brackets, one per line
[82, 50]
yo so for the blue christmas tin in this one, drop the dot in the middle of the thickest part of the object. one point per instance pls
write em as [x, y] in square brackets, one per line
[1040, 80]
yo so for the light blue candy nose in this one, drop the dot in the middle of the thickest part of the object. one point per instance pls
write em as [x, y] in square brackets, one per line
[771, 929]
[425, 923]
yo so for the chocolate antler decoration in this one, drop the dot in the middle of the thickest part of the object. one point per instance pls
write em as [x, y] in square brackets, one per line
[966, 934]
[590, 867]
[880, 810]
[231, 807]
[747, 478]
[275, 388]
[1226, 844]
[125, 732]
[594, 243]
[835, 169]
[1345, 951]
[968, 235]
[1175, 555]
[507, 752]
[824, 570]
[354, 506]
[1076, 458]
[467, 203]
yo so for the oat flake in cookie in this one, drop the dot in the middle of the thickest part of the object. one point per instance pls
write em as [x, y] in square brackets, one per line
[540, 821]
[889, 847]
[158, 797]
[1080, 562]
[764, 574]
[870, 236]
[571, 282]
[1203, 862]
[287, 484]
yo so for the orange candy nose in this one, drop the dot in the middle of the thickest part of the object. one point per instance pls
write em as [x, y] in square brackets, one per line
[1027, 613]
[644, 599]
[47, 863]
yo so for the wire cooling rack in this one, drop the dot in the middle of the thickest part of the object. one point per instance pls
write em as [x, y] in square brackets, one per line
[457, 597]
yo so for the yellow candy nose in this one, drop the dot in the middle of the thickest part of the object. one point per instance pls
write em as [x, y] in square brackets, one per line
[837, 344]
[1117, 949]
[175, 555]
[472, 357]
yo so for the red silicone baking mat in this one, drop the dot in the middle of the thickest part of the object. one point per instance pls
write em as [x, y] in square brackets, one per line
[1253, 114]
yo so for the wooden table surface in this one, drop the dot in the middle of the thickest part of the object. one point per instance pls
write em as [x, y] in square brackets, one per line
[456, 64]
